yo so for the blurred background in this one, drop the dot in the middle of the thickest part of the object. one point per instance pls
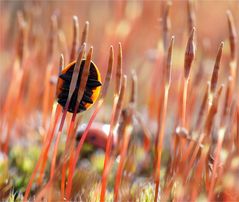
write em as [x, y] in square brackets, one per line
[137, 24]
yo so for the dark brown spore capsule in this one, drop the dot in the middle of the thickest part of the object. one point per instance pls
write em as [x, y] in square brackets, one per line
[92, 83]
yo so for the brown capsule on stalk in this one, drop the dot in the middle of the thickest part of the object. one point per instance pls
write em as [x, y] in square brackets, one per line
[62, 63]
[76, 71]
[85, 75]
[166, 25]
[213, 110]
[21, 41]
[109, 73]
[133, 94]
[214, 78]
[191, 15]
[120, 101]
[203, 106]
[228, 98]
[232, 35]
[189, 54]
[75, 38]
[54, 79]
[118, 71]
[85, 33]
[169, 62]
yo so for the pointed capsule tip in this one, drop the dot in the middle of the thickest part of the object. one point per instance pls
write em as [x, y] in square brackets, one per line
[193, 33]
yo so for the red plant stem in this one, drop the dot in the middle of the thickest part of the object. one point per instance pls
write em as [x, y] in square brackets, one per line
[160, 142]
[198, 173]
[187, 156]
[49, 138]
[78, 150]
[215, 164]
[194, 154]
[147, 134]
[58, 139]
[122, 160]
[28, 189]
[46, 96]
[69, 135]
[108, 151]
[237, 131]
[63, 177]
[41, 158]
[184, 103]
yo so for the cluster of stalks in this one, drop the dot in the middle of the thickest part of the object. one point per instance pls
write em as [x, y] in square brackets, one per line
[204, 144]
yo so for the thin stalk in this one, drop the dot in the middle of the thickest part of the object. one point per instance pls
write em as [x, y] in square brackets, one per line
[49, 135]
[197, 129]
[232, 36]
[83, 81]
[188, 59]
[107, 150]
[202, 108]
[85, 33]
[207, 129]
[57, 140]
[48, 74]
[236, 143]
[74, 46]
[124, 147]
[161, 125]
[166, 24]
[191, 15]
[47, 142]
[49, 138]
[147, 134]
[71, 90]
[184, 103]
[69, 135]
[215, 164]
[233, 40]
[72, 165]
[214, 78]
[160, 143]
[123, 152]
[117, 107]
[42, 159]
[97, 108]
[198, 172]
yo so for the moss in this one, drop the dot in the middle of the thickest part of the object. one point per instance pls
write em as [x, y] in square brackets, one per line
[22, 161]
[97, 160]
[4, 174]
[147, 193]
